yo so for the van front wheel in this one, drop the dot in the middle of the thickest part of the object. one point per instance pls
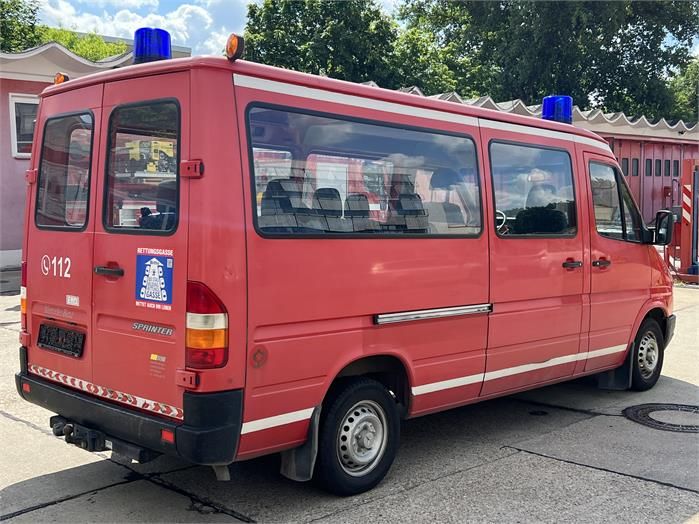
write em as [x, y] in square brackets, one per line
[649, 348]
[359, 435]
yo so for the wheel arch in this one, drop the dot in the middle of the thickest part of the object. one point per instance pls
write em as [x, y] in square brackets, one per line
[387, 368]
[656, 309]
[390, 369]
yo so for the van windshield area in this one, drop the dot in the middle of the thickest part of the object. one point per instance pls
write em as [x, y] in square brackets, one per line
[64, 172]
[142, 173]
[322, 175]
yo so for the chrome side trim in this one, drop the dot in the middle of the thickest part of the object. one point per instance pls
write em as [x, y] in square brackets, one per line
[425, 314]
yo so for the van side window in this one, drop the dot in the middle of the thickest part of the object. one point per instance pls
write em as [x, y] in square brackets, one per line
[142, 186]
[319, 175]
[533, 190]
[64, 173]
[613, 219]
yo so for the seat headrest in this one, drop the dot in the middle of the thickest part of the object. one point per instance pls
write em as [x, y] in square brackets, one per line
[357, 205]
[327, 200]
[410, 205]
[444, 178]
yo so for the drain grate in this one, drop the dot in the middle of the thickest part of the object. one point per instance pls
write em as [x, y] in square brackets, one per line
[643, 415]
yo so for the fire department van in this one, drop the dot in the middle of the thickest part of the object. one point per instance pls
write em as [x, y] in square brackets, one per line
[315, 261]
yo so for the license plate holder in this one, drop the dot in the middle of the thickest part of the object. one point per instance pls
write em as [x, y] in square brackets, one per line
[66, 341]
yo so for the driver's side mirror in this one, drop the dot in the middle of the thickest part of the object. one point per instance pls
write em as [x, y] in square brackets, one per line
[664, 221]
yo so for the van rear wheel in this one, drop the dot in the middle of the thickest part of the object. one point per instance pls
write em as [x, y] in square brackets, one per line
[649, 349]
[359, 436]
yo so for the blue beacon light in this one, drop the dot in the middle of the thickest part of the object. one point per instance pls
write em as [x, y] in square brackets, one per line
[151, 44]
[558, 108]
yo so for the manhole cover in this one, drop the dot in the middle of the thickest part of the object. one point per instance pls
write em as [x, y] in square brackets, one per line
[667, 417]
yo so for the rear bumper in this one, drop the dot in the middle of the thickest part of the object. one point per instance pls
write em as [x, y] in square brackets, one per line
[209, 434]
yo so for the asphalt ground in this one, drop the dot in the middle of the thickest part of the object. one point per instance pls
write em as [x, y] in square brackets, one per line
[562, 453]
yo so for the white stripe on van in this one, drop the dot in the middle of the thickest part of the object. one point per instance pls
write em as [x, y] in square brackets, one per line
[349, 100]
[548, 133]
[391, 107]
[305, 414]
[506, 372]
[277, 420]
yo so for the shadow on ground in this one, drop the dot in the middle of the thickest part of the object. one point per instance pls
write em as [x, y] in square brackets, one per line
[560, 428]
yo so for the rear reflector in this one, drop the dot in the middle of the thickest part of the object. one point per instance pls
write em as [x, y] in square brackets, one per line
[26, 387]
[23, 300]
[23, 288]
[207, 328]
[167, 435]
[23, 296]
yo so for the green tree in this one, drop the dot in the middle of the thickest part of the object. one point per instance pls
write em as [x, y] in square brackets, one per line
[351, 40]
[90, 46]
[685, 90]
[18, 25]
[417, 61]
[614, 55]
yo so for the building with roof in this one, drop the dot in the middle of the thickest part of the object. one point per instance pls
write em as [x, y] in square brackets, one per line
[651, 154]
[22, 77]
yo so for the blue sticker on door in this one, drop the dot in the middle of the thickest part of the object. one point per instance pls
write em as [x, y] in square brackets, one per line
[154, 269]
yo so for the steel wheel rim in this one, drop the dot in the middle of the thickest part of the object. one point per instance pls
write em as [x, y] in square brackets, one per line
[648, 354]
[362, 438]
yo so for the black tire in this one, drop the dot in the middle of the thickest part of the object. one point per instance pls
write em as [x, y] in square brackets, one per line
[375, 405]
[647, 363]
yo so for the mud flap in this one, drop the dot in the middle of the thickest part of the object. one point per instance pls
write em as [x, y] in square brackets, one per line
[298, 463]
[618, 379]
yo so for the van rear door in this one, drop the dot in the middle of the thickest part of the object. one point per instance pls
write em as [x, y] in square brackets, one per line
[140, 260]
[60, 233]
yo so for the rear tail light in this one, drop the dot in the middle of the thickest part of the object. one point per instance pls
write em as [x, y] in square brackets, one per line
[23, 296]
[207, 328]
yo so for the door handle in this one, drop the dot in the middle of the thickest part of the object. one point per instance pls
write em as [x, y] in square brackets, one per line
[572, 264]
[602, 262]
[109, 271]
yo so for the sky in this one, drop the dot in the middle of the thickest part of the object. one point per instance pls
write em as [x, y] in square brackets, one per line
[202, 25]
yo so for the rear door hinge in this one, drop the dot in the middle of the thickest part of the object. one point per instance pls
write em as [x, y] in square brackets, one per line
[30, 176]
[192, 168]
[187, 379]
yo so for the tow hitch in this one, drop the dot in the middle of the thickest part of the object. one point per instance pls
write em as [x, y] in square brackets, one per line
[94, 440]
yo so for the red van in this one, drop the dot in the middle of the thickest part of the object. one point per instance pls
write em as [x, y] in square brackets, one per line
[224, 260]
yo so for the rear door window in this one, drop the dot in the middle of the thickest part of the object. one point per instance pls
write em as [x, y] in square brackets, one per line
[142, 183]
[64, 173]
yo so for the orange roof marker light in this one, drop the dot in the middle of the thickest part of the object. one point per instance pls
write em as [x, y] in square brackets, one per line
[235, 46]
[59, 78]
